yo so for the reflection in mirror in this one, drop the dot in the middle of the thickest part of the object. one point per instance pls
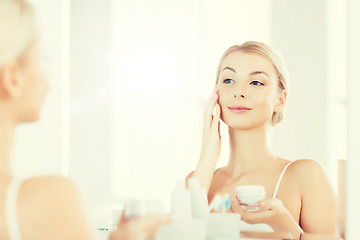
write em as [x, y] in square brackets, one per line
[141, 75]
[152, 70]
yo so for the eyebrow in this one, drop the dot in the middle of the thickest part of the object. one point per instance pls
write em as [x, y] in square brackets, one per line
[229, 68]
[258, 72]
[250, 74]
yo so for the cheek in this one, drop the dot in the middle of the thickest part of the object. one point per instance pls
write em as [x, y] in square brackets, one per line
[265, 101]
[39, 79]
[225, 95]
[38, 88]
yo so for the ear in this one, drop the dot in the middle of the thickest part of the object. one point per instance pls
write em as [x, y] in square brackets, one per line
[11, 83]
[281, 100]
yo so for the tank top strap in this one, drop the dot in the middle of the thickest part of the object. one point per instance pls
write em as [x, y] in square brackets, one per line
[280, 178]
[11, 212]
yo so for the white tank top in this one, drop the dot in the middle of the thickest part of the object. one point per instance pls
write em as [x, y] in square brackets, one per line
[11, 215]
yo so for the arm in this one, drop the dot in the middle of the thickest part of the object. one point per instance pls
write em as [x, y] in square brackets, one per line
[211, 144]
[318, 212]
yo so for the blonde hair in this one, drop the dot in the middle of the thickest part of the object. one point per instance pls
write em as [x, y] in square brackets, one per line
[17, 28]
[270, 54]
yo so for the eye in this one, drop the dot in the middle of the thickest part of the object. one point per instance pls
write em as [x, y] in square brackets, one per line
[257, 83]
[228, 81]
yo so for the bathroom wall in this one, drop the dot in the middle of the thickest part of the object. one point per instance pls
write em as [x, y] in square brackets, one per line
[299, 33]
[90, 99]
[311, 35]
[163, 73]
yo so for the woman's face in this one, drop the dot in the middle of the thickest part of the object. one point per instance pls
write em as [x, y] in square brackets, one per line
[35, 83]
[248, 91]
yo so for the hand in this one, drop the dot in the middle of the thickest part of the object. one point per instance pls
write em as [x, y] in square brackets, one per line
[140, 228]
[272, 212]
[211, 142]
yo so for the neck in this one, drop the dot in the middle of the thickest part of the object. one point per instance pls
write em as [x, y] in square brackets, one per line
[248, 150]
[6, 143]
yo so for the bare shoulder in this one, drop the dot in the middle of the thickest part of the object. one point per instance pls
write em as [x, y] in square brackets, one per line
[49, 180]
[306, 167]
[58, 206]
[310, 173]
[50, 193]
[49, 187]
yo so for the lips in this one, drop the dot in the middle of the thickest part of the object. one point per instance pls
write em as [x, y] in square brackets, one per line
[239, 109]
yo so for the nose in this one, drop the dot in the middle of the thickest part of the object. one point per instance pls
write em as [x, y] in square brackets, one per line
[241, 95]
[241, 89]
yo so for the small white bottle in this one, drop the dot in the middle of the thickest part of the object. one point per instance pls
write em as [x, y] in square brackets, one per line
[249, 196]
[184, 226]
[199, 202]
[181, 202]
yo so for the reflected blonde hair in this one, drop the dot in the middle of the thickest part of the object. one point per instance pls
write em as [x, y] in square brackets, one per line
[17, 28]
[270, 54]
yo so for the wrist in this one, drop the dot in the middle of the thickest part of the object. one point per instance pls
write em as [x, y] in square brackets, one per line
[206, 164]
[207, 158]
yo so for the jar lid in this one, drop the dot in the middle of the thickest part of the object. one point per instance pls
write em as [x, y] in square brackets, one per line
[250, 194]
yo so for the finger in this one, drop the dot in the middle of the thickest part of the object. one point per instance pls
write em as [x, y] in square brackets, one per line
[216, 119]
[209, 101]
[257, 217]
[209, 109]
[208, 114]
[235, 206]
[271, 204]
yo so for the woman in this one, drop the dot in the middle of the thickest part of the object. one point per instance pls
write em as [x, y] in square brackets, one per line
[250, 95]
[42, 207]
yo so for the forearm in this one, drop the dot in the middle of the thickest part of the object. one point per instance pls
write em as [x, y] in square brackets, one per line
[204, 172]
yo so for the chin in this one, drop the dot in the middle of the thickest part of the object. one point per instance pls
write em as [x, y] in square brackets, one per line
[239, 126]
[244, 124]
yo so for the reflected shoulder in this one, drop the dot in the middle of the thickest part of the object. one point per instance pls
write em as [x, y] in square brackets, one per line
[48, 191]
[48, 184]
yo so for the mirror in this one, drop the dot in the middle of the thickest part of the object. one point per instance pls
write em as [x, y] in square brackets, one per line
[130, 119]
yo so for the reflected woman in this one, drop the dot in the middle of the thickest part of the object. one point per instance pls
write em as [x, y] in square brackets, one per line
[41, 207]
[249, 97]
